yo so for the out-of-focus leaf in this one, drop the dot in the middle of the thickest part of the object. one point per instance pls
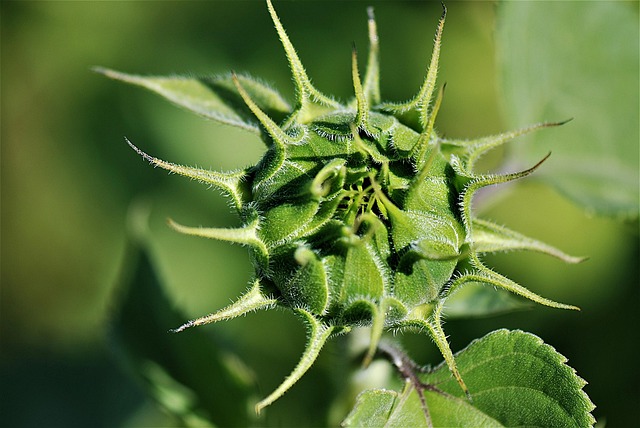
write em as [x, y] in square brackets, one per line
[578, 60]
[188, 374]
[479, 300]
[514, 379]
[212, 97]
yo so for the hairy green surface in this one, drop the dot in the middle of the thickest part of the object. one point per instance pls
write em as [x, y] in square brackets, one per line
[359, 213]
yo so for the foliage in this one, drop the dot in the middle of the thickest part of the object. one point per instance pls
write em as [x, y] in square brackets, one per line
[595, 163]
[517, 381]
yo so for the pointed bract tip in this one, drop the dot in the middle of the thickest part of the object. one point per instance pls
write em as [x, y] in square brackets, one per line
[372, 75]
[317, 336]
[183, 327]
[521, 174]
[99, 69]
[557, 305]
[559, 123]
[112, 74]
[574, 260]
[174, 225]
[422, 100]
[139, 151]
[118, 75]
[536, 166]
[579, 259]
[306, 93]
[252, 300]
[444, 10]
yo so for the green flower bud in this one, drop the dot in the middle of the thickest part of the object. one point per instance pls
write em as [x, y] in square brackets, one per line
[358, 214]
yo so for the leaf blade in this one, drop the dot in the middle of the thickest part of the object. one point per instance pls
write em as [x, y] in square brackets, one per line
[591, 75]
[211, 97]
[188, 374]
[515, 379]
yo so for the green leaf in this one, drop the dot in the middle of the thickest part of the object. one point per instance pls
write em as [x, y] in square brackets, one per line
[190, 375]
[578, 60]
[212, 97]
[514, 379]
[383, 408]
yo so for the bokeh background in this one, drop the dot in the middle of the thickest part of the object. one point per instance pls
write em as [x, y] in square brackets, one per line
[69, 182]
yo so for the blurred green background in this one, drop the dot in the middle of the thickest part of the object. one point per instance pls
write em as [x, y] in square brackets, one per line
[69, 180]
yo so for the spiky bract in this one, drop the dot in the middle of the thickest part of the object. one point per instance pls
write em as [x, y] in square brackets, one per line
[358, 213]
